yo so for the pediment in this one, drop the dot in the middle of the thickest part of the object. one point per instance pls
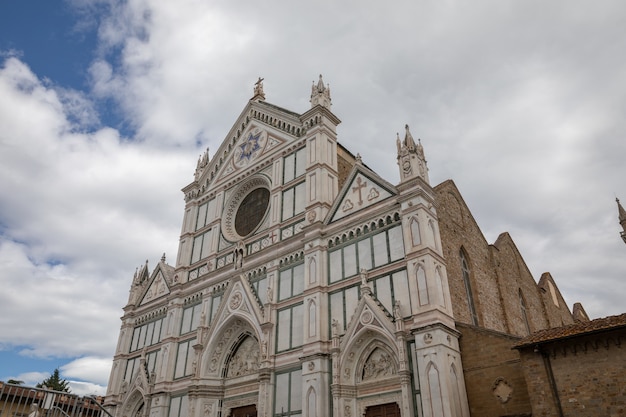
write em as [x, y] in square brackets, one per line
[368, 315]
[362, 189]
[260, 128]
[158, 287]
[368, 348]
[238, 300]
[255, 141]
[238, 316]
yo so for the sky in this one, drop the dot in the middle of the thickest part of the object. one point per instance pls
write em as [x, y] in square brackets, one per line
[105, 106]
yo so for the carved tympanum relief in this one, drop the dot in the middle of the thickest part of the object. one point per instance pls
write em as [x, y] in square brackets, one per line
[378, 365]
[245, 360]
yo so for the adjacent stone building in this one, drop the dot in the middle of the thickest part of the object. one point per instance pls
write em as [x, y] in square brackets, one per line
[577, 370]
[307, 285]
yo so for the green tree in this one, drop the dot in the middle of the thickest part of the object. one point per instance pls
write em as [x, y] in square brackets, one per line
[55, 382]
[15, 382]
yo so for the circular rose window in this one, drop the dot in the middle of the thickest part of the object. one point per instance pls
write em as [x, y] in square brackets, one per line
[251, 211]
[246, 209]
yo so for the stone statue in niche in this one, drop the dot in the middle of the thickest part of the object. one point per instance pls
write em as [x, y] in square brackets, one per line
[238, 255]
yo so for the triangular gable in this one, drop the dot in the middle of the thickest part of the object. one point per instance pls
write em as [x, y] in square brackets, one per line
[362, 189]
[158, 287]
[371, 328]
[369, 314]
[239, 311]
[242, 146]
[548, 285]
[239, 300]
[255, 141]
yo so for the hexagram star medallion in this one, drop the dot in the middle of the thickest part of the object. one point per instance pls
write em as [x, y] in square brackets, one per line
[249, 149]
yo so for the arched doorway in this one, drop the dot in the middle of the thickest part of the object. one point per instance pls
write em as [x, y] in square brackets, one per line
[383, 410]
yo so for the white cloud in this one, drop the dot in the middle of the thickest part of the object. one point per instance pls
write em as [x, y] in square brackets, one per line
[30, 379]
[89, 368]
[79, 212]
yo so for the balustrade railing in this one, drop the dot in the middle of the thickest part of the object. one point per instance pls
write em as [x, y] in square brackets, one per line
[22, 401]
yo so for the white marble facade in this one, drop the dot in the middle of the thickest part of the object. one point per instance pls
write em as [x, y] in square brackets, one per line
[305, 284]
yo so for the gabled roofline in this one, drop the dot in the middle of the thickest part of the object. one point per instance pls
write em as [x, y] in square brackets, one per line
[358, 168]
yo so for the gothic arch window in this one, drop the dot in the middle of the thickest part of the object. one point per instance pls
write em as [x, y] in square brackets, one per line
[555, 299]
[422, 286]
[311, 402]
[522, 303]
[456, 395]
[465, 270]
[434, 390]
[312, 271]
[440, 289]
[415, 232]
[312, 319]
[433, 234]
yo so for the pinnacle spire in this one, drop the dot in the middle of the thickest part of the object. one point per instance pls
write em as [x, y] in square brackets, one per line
[411, 159]
[622, 218]
[621, 211]
[320, 94]
[203, 161]
[408, 138]
[320, 85]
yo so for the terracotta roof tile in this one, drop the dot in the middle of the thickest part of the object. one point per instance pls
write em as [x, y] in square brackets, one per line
[572, 330]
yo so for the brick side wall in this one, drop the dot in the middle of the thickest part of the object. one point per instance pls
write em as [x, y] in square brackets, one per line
[589, 372]
[491, 367]
[538, 384]
[459, 230]
[557, 315]
[498, 274]
[513, 277]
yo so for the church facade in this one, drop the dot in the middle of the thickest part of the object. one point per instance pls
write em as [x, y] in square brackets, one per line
[307, 285]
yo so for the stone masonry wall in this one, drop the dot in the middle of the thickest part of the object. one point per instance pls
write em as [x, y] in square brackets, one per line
[498, 274]
[458, 230]
[493, 375]
[513, 277]
[589, 373]
[557, 313]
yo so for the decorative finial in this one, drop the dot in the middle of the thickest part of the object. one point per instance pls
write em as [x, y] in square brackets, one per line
[358, 158]
[320, 84]
[622, 218]
[411, 159]
[163, 258]
[621, 211]
[320, 94]
[258, 90]
[408, 138]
